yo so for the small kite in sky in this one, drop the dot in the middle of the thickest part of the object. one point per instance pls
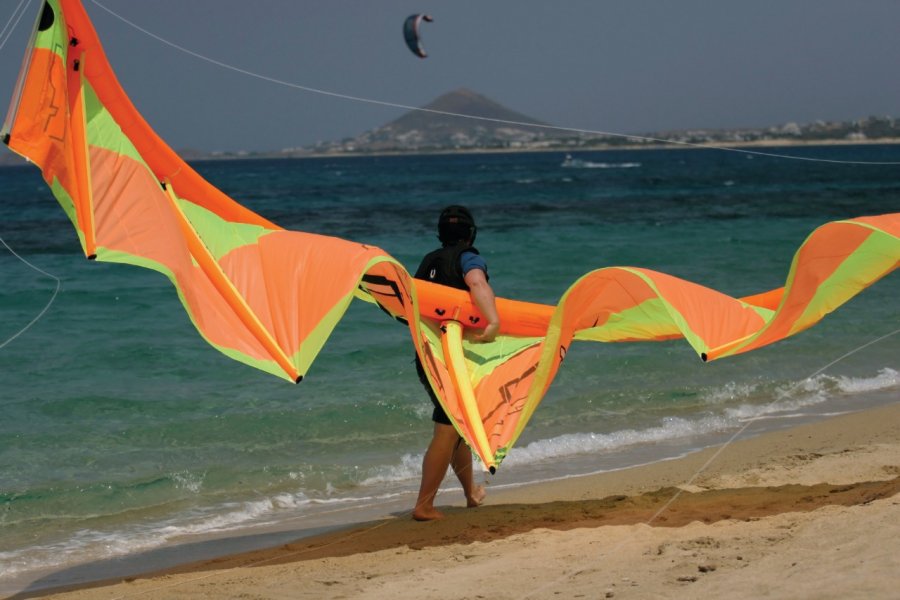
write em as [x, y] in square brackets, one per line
[411, 33]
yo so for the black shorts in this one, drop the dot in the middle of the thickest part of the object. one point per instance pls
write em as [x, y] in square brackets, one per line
[438, 416]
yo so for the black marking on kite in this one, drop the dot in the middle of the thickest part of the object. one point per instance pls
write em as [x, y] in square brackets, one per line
[47, 18]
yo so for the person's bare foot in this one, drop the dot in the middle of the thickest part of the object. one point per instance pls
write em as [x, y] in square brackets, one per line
[477, 497]
[427, 514]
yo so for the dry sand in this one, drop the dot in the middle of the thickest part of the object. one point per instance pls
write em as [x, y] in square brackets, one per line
[810, 512]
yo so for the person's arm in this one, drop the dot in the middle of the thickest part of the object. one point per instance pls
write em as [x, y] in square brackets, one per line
[483, 297]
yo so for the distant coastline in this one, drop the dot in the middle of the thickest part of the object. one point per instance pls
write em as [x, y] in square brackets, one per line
[570, 150]
[10, 159]
[464, 121]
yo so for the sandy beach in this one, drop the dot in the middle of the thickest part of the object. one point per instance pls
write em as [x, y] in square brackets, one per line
[807, 512]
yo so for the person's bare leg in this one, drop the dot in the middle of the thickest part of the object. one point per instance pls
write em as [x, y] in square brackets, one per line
[434, 468]
[462, 466]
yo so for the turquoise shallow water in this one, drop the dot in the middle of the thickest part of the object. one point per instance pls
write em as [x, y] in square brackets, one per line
[124, 432]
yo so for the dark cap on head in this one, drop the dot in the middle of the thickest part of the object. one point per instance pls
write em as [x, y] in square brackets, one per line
[456, 225]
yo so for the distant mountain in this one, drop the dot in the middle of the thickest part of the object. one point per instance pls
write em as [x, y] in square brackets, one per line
[430, 129]
[504, 129]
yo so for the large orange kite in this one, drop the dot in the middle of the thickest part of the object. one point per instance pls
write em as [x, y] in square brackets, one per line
[270, 298]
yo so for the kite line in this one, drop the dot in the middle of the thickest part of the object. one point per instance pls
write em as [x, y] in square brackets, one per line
[722, 449]
[360, 532]
[46, 308]
[445, 113]
[4, 34]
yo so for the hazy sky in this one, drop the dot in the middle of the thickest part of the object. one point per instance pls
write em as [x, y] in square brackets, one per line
[626, 66]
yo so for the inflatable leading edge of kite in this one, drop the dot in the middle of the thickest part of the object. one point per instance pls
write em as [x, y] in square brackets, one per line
[270, 298]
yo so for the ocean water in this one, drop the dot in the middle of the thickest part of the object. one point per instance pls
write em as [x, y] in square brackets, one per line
[123, 435]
